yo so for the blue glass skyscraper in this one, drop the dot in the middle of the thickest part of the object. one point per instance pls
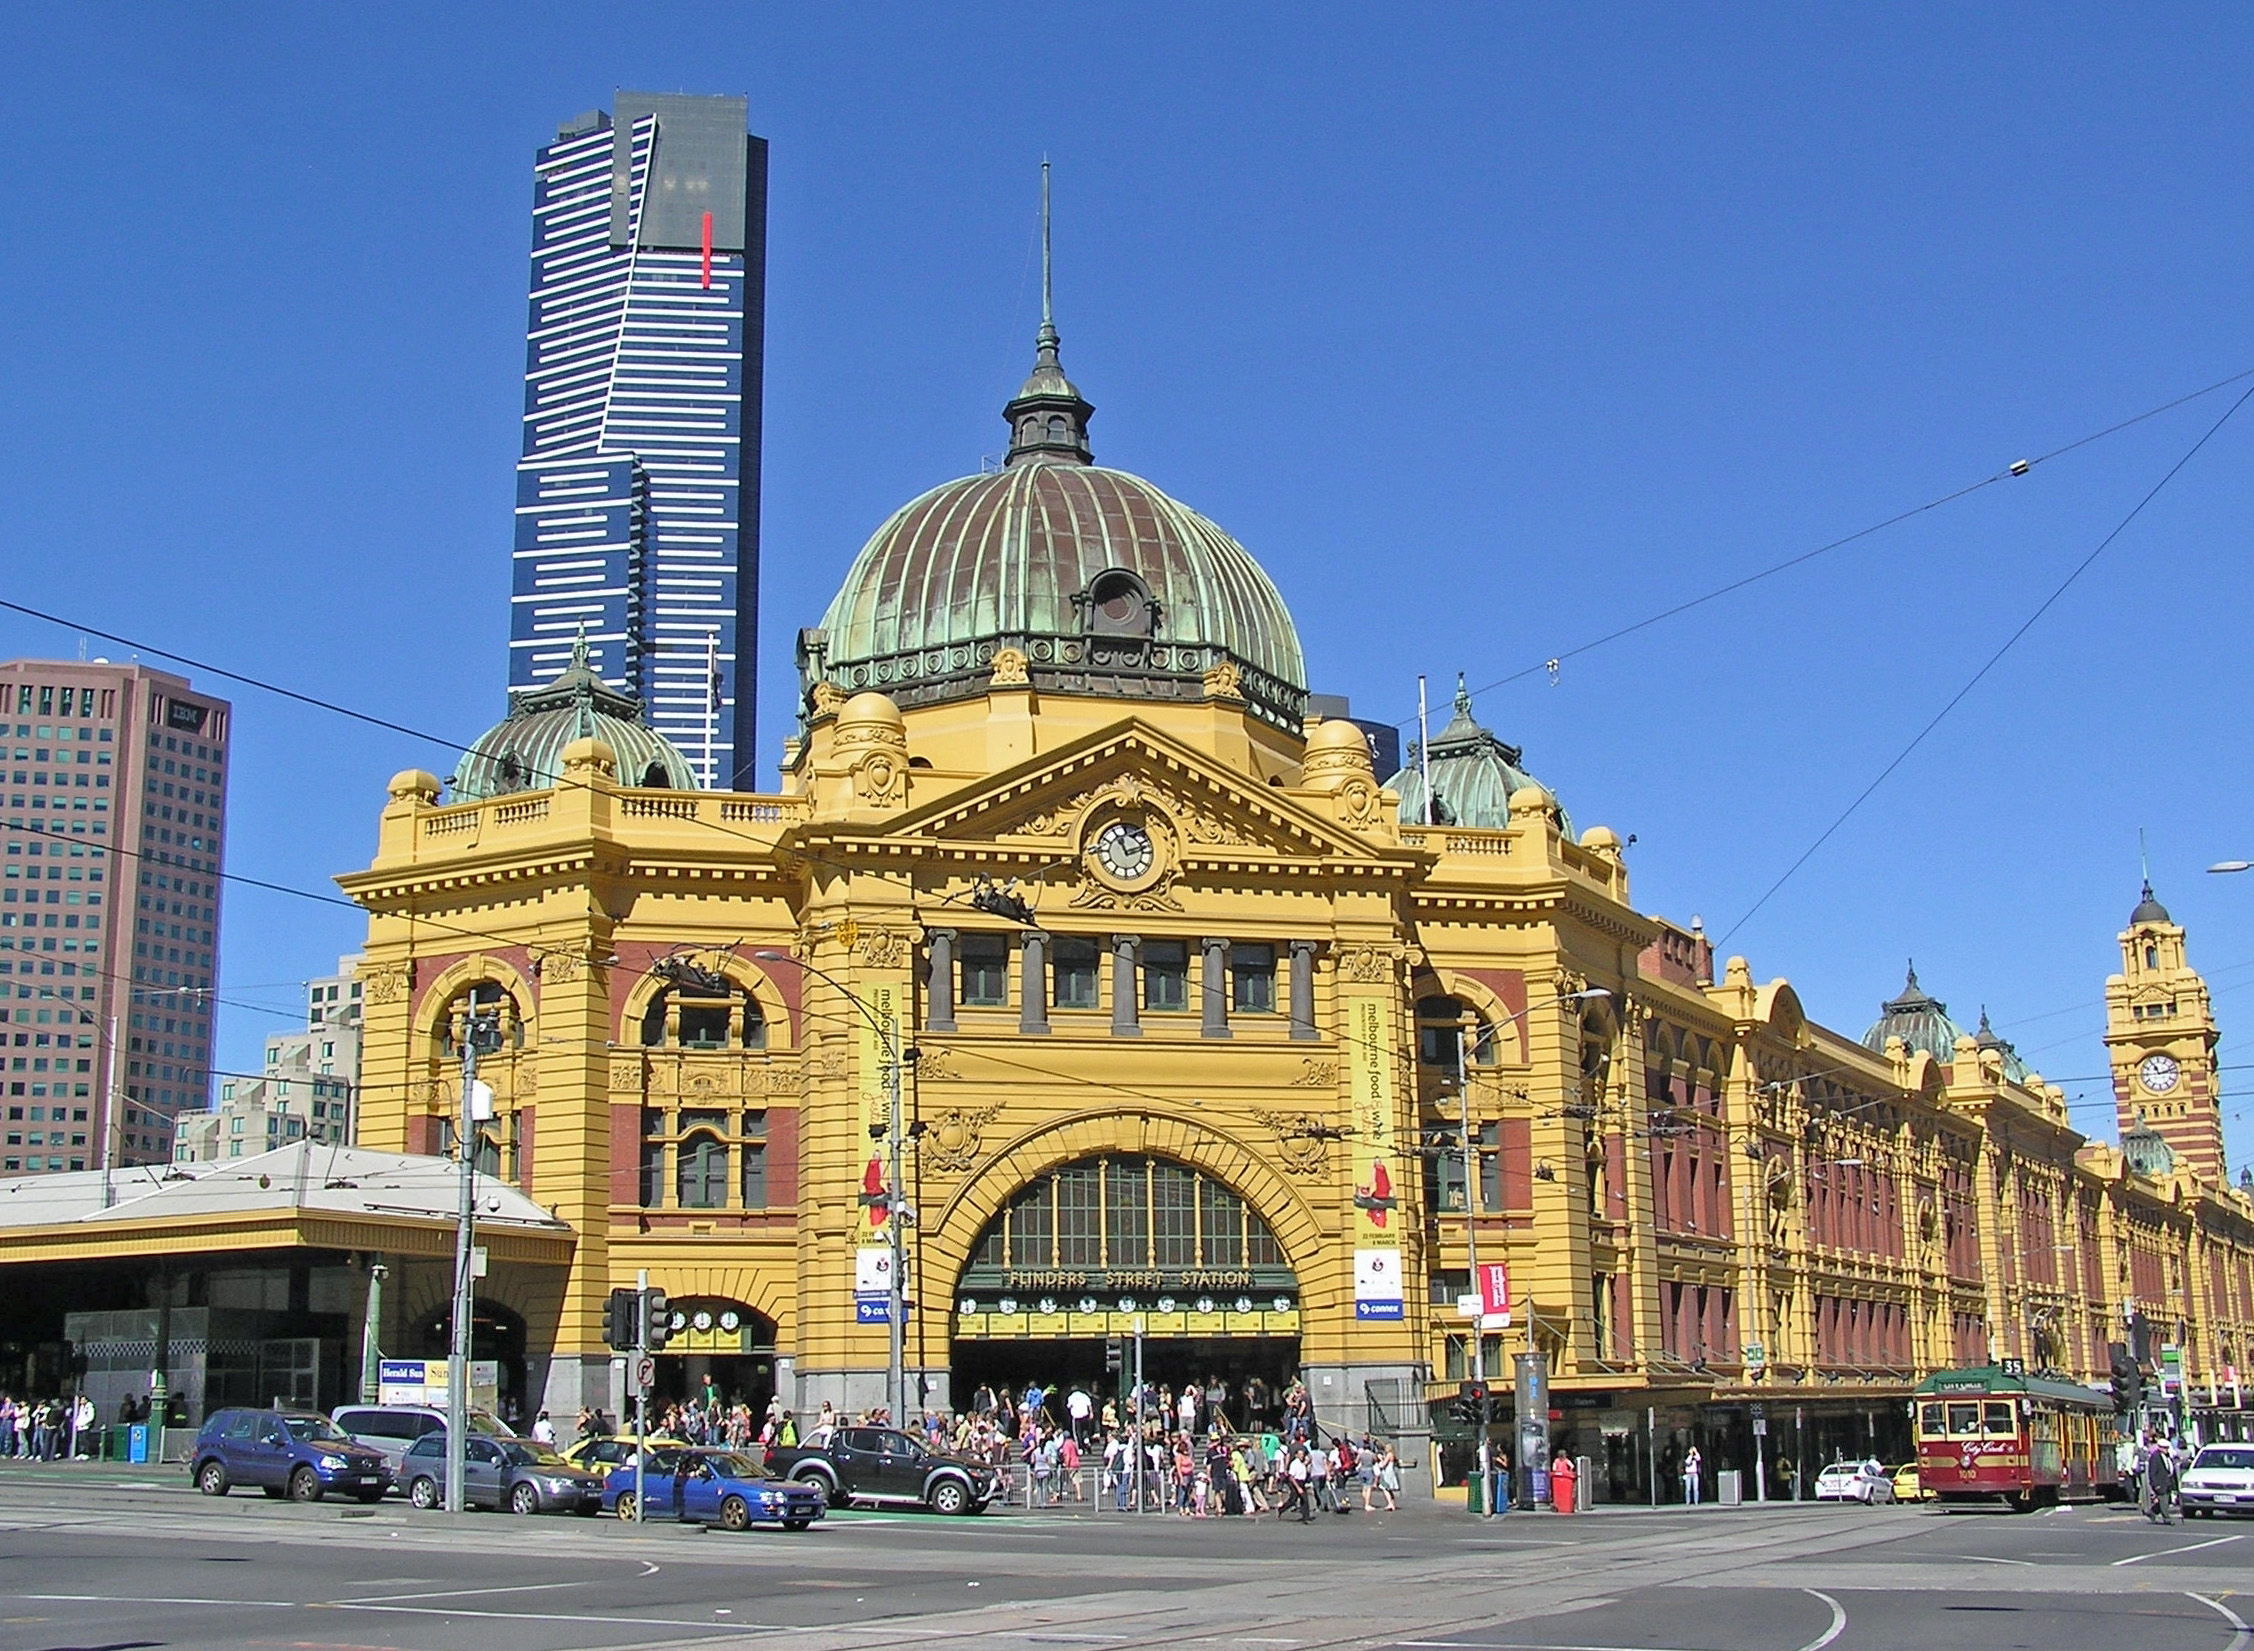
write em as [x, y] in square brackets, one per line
[637, 516]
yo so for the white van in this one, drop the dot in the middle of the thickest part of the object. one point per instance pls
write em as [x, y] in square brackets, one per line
[392, 1428]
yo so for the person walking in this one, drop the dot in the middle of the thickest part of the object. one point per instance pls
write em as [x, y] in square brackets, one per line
[543, 1429]
[2160, 1480]
[1298, 1487]
[1384, 1480]
[1693, 1464]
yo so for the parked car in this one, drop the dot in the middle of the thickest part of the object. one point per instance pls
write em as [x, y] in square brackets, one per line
[296, 1453]
[391, 1428]
[879, 1464]
[1908, 1486]
[600, 1452]
[1864, 1482]
[2219, 1480]
[521, 1475]
[717, 1486]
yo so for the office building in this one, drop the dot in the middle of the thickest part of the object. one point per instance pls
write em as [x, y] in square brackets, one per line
[112, 815]
[305, 1092]
[637, 516]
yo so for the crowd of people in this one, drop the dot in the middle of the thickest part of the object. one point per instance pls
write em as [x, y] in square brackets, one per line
[48, 1430]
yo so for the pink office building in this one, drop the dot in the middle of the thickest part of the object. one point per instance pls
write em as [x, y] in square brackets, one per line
[113, 784]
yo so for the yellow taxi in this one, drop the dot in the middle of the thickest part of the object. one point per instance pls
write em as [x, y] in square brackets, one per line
[600, 1452]
[1906, 1485]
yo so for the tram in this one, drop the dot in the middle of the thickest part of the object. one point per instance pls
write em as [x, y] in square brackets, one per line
[1997, 1433]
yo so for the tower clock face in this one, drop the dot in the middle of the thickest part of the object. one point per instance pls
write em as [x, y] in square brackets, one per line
[1123, 849]
[2158, 1073]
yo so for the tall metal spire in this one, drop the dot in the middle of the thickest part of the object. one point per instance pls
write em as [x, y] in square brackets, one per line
[1048, 418]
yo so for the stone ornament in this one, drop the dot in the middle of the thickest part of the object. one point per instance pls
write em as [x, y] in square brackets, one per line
[1010, 669]
[384, 985]
[951, 1144]
[1366, 965]
[1224, 681]
[1299, 1141]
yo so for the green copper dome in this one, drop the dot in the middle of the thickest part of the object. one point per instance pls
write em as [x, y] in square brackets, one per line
[1473, 776]
[524, 752]
[1106, 585]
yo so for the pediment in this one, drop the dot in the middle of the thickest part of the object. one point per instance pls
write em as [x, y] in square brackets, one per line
[1048, 801]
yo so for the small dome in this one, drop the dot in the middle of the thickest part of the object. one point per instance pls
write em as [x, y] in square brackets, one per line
[528, 750]
[414, 782]
[874, 708]
[1987, 1038]
[2148, 909]
[1337, 734]
[1919, 1019]
[2147, 1153]
[1474, 776]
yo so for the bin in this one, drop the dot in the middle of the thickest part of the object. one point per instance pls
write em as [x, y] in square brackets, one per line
[1564, 1485]
[113, 1443]
[1476, 1487]
[1729, 1487]
[137, 1442]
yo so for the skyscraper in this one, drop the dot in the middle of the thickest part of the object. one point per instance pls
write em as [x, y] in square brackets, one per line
[111, 829]
[637, 516]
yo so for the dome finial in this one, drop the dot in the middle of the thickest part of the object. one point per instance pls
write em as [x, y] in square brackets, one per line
[1048, 417]
[1463, 697]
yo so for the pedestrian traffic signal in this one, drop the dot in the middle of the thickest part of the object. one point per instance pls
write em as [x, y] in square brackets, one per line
[621, 1315]
[657, 1320]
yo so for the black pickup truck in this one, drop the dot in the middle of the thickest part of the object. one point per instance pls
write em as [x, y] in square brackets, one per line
[880, 1465]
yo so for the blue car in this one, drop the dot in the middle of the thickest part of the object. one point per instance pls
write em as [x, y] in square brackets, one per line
[714, 1487]
[294, 1453]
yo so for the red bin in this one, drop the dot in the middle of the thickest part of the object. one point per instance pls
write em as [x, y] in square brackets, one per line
[1564, 1484]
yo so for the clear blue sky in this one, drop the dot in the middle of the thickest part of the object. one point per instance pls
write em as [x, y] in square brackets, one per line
[1486, 328]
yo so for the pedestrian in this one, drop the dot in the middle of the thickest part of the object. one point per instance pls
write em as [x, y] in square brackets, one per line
[1300, 1476]
[2159, 1484]
[1385, 1479]
[1693, 1463]
[543, 1429]
[1080, 1412]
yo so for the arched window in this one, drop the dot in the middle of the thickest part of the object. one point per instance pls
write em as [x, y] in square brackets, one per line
[654, 777]
[1131, 1212]
[686, 1018]
[482, 997]
[1120, 605]
[702, 1176]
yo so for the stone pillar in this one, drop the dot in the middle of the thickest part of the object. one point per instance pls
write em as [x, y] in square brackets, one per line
[1033, 982]
[939, 991]
[1303, 991]
[1125, 1021]
[1215, 981]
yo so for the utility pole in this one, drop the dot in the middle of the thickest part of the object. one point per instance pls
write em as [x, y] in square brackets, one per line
[641, 1393]
[480, 1030]
[896, 1310]
[1485, 1456]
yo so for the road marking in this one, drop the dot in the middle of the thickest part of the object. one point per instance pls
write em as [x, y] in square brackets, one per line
[450, 1593]
[704, 1623]
[2189, 1548]
[2245, 1635]
[137, 1599]
[649, 1567]
[1838, 1622]
[1995, 1559]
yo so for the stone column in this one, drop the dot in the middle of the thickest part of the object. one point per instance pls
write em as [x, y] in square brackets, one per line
[1125, 1021]
[1303, 991]
[939, 991]
[1215, 979]
[1033, 982]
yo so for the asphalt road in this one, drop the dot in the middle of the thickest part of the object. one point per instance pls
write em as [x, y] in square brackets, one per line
[92, 1563]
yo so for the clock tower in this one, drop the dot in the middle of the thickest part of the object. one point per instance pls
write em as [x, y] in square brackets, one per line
[2160, 1033]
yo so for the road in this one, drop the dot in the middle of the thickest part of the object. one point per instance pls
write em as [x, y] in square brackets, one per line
[100, 1564]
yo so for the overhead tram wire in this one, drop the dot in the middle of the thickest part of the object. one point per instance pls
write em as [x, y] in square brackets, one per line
[2018, 467]
[1992, 661]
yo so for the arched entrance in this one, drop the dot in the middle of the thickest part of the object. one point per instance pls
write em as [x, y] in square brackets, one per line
[1083, 1255]
[496, 1333]
[717, 1351]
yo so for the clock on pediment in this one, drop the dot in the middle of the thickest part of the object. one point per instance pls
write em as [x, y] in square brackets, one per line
[1126, 849]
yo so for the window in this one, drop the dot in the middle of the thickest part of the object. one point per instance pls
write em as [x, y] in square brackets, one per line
[1166, 976]
[1252, 979]
[755, 1161]
[1079, 1234]
[985, 971]
[703, 1172]
[685, 1020]
[1136, 1213]
[1073, 974]
[653, 1159]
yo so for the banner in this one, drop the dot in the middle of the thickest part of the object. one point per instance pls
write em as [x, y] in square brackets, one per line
[1377, 1284]
[1494, 1295]
[872, 1284]
[877, 1047]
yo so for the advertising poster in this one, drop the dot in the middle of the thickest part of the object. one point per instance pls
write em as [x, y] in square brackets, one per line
[1377, 1284]
[872, 1284]
[1494, 1295]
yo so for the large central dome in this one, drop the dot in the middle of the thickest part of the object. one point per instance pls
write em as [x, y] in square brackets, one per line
[1106, 585]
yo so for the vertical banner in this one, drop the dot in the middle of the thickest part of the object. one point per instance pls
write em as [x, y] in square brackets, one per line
[880, 1035]
[872, 1284]
[1494, 1295]
[1377, 1218]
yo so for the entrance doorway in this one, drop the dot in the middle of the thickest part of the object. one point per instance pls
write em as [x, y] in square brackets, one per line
[1253, 1372]
[496, 1333]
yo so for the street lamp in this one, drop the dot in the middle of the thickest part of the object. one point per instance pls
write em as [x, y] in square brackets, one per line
[481, 1034]
[1471, 1250]
[896, 1211]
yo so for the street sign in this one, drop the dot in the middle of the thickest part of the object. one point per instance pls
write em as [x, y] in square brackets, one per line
[645, 1373]
[1760, 1427]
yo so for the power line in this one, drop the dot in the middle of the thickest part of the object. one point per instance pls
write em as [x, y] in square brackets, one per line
[2018, 467]
[1992, 661]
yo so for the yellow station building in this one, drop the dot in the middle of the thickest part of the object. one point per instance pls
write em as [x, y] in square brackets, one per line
[1192, 1015]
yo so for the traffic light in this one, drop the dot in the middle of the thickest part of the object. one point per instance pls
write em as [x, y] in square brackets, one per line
[2128, 1381]
[1115, 1356]
[1471, 1406]
[657, 1320]
[619, 1319]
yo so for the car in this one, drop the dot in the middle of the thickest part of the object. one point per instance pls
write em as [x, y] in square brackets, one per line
[890, 1468]
[1908, 1487]
[300, 1454]
[715, 1485]
[1864, 1482]
[391, 1428]
[521, 1475]
[600, 1452]
[2219, 1480]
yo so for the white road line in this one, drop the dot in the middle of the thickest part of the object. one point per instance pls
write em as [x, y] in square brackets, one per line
[134, 1599]
[2245, 1635]
[1838, 1621]
[649, 1567]
[705, 1623]
[454, 1593]
[1995, 1559]
[2189, 1548]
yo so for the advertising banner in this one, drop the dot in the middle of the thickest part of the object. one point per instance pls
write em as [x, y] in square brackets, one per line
[878, 1045]
[872, 1284]
[1377, 1284]
[1494, 1295]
